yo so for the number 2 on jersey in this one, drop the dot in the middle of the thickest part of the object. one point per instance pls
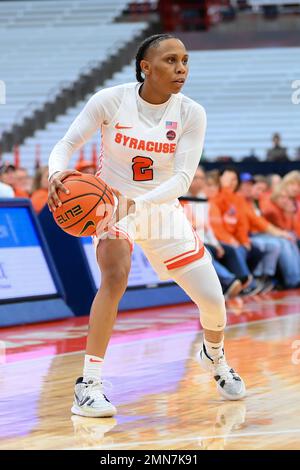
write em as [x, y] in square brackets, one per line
[141, 169]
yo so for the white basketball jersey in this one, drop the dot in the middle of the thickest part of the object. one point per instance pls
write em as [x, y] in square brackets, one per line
[136, 158]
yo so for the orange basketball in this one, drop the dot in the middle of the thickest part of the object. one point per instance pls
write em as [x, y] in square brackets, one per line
[87, 209]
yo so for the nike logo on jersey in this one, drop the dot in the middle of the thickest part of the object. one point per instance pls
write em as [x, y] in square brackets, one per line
[94, 360]
[117, 126]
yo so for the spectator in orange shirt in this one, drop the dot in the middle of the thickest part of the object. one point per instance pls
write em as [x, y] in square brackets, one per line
[230, 226]
[270, 239]
[280, 211]
[40, 189]
[273, 180]
[23, 183]
[197, 211]
[291, 183]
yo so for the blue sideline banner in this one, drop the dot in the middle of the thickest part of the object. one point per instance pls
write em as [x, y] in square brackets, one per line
[30, 288]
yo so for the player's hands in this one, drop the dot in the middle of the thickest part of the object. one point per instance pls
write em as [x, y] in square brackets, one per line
[125, 206]
[55, 185]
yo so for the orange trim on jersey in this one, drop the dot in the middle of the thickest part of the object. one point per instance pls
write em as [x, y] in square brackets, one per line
[188, 260]
[101, 156]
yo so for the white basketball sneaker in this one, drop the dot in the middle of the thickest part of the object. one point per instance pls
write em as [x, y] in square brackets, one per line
[90, 401]
[229, 384]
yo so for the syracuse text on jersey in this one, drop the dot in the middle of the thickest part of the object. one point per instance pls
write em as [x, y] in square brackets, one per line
[145, 145]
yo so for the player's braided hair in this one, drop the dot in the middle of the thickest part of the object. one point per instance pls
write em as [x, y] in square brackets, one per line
[151, 41]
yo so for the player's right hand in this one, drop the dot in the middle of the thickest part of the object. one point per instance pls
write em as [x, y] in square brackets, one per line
[55, 185]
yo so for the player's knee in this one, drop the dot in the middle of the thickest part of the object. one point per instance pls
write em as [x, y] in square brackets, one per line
[115, 278]
[213, 311]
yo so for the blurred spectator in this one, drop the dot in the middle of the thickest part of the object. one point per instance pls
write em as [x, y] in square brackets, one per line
[280, 211]
[260, 191]
[271, 240]
[8, 174]
[39, 195]
[18, 179]
[5, 189]
[22, 183]
[198, 214]
[277, 153]
[291, 182]
[197, 186]
[260, 184]
[230, 225]
[84, 166]
[273, 180]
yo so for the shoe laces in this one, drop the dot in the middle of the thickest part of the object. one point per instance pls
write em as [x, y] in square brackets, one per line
[97, 388]
[224, 370]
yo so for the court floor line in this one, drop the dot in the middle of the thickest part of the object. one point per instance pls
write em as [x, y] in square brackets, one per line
[198, 438]
[237, 325]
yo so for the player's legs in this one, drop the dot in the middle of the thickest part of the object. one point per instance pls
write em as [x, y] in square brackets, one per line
[114, 259]
[202, 285]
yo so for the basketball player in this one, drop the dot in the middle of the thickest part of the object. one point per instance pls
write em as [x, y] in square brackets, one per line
[152, 139]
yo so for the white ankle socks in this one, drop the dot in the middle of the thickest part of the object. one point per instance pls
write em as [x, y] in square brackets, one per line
[92, 367]
[214, 349]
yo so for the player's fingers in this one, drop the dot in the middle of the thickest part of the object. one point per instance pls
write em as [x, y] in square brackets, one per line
[60, 187]
[50, 206]
[116, 192]
[64, 174]
[53, 197]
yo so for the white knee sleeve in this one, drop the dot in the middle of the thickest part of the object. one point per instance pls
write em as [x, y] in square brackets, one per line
[202, 285]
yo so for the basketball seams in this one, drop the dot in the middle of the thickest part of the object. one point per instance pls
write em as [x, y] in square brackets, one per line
[81, 195]
[78, 221]
[85, 215]
[95, 186]
[103, 194]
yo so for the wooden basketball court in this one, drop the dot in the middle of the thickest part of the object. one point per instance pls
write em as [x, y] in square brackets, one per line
[164, 399]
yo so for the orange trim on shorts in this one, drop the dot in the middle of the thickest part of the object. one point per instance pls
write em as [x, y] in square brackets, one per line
[179, 256]
[187, 260]
[119, 232]
[193, 251]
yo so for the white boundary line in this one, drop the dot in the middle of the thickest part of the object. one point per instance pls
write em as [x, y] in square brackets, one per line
[189, 439]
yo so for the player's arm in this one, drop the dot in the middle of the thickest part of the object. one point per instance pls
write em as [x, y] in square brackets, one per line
[186, 159]
[93, 115]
